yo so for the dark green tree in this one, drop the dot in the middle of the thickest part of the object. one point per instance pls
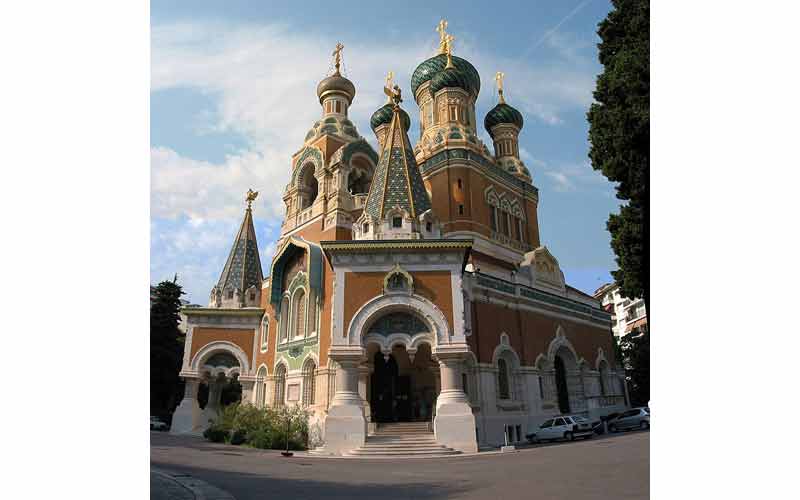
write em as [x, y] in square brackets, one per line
[619, 133]
[635, 348]
[166, 347]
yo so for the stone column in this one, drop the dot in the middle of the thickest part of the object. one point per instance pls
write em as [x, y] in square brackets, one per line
[187, 416]
[214, 405]
[364, 373]
[454, 424]
[345, 425]
[248, 389]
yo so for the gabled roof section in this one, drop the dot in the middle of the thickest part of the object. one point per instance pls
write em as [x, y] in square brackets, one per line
[243, 267]
[313, 264]
[397, 180]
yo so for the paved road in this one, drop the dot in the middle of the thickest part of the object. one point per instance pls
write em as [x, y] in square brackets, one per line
[614, 467]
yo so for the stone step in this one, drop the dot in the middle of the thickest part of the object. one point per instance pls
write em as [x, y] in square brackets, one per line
[408, 439]
[402, 453]
[413, 444]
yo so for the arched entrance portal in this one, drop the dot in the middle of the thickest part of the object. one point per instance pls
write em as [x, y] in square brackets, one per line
[402, 387]
[561, 385]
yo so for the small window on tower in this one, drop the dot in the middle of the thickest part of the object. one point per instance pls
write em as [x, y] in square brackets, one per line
[230, 294]
[338, 106]
[428, 227]
[461, 210]
[252, 296]
[365, 228]
[397, 222]
[459, 183]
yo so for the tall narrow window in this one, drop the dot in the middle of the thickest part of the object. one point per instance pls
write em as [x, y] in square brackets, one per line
[493, 218]
[504, 223]
[338, 106]
[459, 183]
[264, 333]
[261, 388]
[299, 309]
[517, 234]
[284, 326]
[461, 210]
[521, 230]
[280, 385]
[309, 376]
[453, 114]
[502, 379]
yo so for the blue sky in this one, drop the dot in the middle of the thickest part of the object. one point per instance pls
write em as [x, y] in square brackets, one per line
[233, 95]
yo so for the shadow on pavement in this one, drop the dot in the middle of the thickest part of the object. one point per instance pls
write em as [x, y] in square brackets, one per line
[259, 486]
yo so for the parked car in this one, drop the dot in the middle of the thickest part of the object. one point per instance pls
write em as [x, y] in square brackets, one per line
[635, 418]
[566, 427]
[157, 425]
[598, 426]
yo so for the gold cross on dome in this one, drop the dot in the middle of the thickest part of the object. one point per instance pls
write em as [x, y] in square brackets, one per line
[498, 77]
[442, 36]
[389, 78]
[251, 196]
[337, 56]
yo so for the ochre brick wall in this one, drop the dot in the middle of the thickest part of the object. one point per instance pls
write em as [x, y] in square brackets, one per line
[530, 334]
[241, 337]
[361, 287]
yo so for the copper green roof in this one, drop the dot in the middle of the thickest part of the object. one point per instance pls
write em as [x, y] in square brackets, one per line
[384, 115]
[502, 113]
[243, 267]
[397, 180]
[428, 68]
[450, 78]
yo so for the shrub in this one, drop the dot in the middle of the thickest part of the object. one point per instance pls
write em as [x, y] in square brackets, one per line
[215, 434]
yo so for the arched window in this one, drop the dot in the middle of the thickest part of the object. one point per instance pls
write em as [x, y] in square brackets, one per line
[284, 325]
[308, 186]
[604, 385]
[261, 388]
[502, 379]
[299, 313]
[309, 380]
[280, 385]
[264, 333]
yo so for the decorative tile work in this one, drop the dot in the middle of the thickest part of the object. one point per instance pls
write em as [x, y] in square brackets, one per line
[484, 164]
[243, 267]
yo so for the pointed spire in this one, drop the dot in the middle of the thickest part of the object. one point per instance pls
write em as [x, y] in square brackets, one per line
[397, 181]
[243, 267]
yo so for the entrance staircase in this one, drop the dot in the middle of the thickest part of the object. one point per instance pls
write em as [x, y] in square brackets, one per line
[402, 440]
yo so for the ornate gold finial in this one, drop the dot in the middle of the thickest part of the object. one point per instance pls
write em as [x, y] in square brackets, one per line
[442, 36]
[251, 197]
[394, 95]
[498, 77]
[448, 40]
[389, 77]
[337, 56]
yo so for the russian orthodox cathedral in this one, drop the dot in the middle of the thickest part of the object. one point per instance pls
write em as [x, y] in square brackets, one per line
[409, 286]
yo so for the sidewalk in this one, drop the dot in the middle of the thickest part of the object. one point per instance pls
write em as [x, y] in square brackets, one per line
[166, 485]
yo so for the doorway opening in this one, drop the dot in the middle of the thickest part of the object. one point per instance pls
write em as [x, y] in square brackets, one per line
[402, 389]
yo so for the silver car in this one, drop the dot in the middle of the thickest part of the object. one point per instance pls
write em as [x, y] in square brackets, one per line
[635, 418]
[567, 427]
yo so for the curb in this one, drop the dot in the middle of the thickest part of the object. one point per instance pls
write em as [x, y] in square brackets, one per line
[200, 489]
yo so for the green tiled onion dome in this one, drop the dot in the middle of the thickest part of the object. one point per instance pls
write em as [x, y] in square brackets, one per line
[338, 83]
[428, 68]
[383, 115]
[449, 78]
[502, 113]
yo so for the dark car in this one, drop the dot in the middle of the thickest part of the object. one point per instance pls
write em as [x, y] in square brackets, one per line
[635, 418]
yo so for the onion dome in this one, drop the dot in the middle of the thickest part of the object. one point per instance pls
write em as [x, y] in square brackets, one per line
[450, 77]
[337, 84]
[502, 113]
[383, 116]
[430, 67]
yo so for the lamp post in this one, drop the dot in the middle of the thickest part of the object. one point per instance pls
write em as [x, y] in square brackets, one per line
[288, 453]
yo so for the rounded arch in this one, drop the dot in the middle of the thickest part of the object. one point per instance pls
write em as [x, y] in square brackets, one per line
[561, 341]
[281, 370]
[309, 372]
[601, 357]
[299, 310]
[430, 315]
[261, 387]
[217, 347]
[307, 185]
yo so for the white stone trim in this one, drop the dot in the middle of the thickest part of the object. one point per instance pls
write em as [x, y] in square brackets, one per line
[220, 346]
[384, 304]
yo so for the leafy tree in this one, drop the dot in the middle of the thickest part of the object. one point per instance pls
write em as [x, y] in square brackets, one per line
[635, 348]
[619, 132]
[166, 347]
